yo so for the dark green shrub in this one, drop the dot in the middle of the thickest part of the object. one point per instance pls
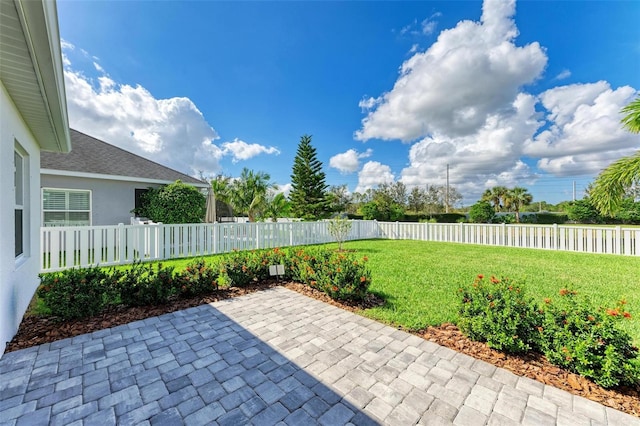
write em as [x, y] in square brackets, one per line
[174, 203]
[448, 217]
[198, 278]
[497, 311]
[583, 211]
[382, 211]
[504, 218]
[551, 218]
[74, 293]
[589, 341]
[481, 212]
[142, 284]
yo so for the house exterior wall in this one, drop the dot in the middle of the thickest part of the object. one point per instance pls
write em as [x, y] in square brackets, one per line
[18, 276]
[111, 200]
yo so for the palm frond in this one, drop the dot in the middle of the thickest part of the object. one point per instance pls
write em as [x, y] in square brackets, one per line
[611, 184]
[631, 120]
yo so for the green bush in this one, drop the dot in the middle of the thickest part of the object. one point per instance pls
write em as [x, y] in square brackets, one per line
[198, 278]
[382, 211]
[174, 203]
[142, 285]
[481, 212]
[239, 269]
[343, 277]
[588, 341]
[583, 211]
[497, 311]
[74, 293]
[504, 218]
[448, 217]
[551, 218]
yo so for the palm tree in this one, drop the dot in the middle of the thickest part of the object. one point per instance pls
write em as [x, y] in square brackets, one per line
[248, 193]
[496, 196]
[277, 206]
[612, 183]
[220, 187]
[517, 198]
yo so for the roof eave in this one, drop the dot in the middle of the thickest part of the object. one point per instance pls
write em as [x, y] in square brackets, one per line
[39, 21]
[70, 173]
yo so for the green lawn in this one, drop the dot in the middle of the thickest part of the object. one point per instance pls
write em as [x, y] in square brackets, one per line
[419, 279]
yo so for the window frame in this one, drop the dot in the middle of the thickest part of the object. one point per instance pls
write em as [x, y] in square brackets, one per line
[67, 210]
[21, 234]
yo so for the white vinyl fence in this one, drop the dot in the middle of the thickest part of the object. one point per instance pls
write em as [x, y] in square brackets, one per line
[588, 239]
[66, 247]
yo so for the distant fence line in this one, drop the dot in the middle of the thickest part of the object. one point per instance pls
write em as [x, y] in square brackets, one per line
[67, 247]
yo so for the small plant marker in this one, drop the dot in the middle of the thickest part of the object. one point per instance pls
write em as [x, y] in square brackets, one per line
[276, 270]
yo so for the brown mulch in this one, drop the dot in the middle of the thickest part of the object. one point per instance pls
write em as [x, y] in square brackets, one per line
[38, 330]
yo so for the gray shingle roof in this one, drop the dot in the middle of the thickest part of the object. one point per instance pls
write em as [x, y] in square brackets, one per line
[91, 155]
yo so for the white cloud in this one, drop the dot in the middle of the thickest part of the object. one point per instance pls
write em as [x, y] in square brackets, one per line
[172, 132]
[492, 154]
[563, 75]
[426, 26]
[470, 73]
[429, 25]
[241, 150]
[373, 174]
[285, 189]
[585, 134]
[349, 161]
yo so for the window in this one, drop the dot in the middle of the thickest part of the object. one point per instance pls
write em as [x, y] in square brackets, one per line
[18, 186]
[66, 207]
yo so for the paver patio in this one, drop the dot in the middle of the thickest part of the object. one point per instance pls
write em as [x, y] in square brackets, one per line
[270, 357]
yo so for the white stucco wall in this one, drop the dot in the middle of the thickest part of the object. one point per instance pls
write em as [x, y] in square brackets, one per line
[18, 276]
[111, 200]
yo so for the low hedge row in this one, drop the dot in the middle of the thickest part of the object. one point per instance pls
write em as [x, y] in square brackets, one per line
[569, 331]
[83, 292]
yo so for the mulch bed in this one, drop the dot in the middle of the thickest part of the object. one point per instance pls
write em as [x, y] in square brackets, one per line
[38, 330]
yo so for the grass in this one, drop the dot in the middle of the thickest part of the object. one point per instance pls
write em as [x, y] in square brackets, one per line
[419, 279]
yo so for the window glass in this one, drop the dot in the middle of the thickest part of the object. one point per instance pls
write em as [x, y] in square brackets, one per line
[18, 186]
[66, 207]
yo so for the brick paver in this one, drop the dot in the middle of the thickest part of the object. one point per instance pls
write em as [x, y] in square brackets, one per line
[272, 357]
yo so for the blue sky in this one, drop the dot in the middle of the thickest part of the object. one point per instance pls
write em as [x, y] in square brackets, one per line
[523, 94]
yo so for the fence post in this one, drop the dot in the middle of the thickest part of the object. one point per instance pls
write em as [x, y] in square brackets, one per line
[461, 232]
[291, 234]
[556, 237]
[258, 235]
[618, 240]
[122, 243]
[214, 229]
[505, 238]
[397, 231]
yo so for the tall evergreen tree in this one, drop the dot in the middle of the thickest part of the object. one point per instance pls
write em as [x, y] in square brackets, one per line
[308, 195]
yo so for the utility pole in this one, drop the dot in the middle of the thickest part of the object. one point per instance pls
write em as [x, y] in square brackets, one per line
[574, 190]
[446, 196]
